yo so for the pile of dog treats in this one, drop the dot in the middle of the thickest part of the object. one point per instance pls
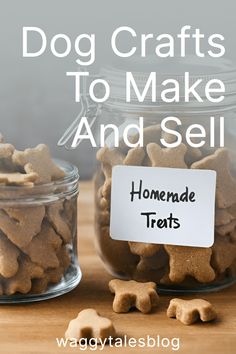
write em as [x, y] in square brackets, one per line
[34, 239]
[169, 264]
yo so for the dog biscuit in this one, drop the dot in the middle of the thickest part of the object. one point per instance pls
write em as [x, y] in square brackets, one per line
[190, 311]
[167, 157]
[20, 225]
[39, 161]
[43, 247]
[21, 282]
[18, 178]
[89, 324]
[193, 261]
[129, 294]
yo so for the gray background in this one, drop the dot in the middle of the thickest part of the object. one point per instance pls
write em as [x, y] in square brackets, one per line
[36, 97]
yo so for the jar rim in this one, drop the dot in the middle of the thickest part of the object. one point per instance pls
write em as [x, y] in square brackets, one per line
[66, 186]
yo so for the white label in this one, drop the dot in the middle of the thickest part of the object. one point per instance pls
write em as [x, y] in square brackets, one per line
[163, 205]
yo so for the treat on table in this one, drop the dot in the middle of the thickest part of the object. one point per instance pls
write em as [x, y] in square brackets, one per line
[132, 294]
[89, 324]
[190, 311]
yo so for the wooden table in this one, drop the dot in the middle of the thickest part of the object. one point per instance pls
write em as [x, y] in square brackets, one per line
[33, 328]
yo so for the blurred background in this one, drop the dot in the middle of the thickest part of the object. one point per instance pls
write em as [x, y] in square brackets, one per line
[37, 98]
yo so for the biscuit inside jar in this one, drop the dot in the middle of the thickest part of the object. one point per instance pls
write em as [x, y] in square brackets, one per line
[36, 233]
[170, 266]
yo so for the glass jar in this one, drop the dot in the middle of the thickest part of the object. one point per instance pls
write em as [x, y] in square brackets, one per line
[151, 262]
[38, 236]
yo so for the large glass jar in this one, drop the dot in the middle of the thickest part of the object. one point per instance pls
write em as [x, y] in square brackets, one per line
[38, 238]
[153, 262]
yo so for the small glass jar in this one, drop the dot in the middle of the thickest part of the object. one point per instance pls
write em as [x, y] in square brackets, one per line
[38, 239]
[145, 262]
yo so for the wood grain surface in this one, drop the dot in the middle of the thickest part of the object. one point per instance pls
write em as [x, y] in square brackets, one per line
[33, 328]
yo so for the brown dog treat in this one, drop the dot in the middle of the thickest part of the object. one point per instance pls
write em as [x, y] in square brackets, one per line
[18, 178]
[134, 157]
[143, 249]
[167, 157]
[8, 257]
[115, 253]
[21, 282]
[43, 247]
[190, 311]
[225, 183]
[20, 225]
[193, 261]
[89, 324]
[38, 160]
[56, 216]
[224, 254]
[226, 229]
[151, 134]
[111, 157]
[129, 294]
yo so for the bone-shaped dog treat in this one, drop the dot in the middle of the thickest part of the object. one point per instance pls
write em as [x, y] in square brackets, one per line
[224, 254]
[225, 183]
[112, 157]
[151, 134]
[190, 311]
[20, 225]
[89, 324]
[194, 261]
[22, 280]
[167, 157]
[143, 249]
[134, 157]
[17, 178]
[55, 214]
[43, 247]
[8, 257]
[129, 294]
[38, 160]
